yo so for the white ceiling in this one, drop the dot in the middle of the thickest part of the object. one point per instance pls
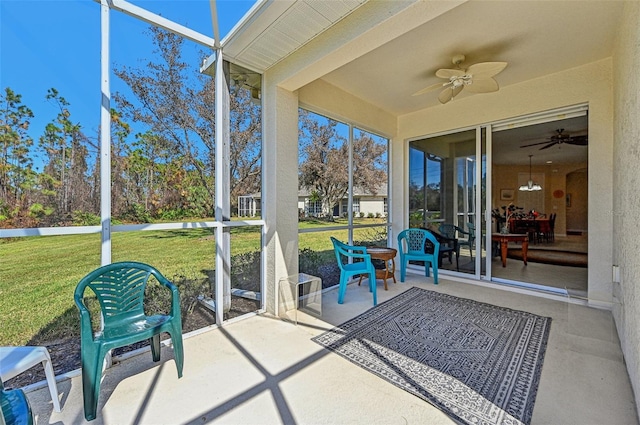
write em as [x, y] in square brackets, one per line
[535, 38]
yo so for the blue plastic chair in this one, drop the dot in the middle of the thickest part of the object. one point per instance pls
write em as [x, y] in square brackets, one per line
[120, 287]
[412, 245]
[362, 266]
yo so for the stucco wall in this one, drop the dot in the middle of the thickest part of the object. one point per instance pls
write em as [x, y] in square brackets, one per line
[626, 182]
[592, 84]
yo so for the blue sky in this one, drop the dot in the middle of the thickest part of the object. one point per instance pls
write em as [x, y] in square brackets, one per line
[56, 43]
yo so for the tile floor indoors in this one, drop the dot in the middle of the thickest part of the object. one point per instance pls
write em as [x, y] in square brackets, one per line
[262, 370]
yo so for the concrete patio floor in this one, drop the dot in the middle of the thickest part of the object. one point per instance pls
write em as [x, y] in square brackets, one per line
[262, 370]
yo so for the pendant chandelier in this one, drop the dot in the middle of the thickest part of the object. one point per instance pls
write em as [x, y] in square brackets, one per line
[530, 186]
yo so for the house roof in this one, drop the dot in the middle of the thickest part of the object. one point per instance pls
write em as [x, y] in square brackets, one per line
[273, 30]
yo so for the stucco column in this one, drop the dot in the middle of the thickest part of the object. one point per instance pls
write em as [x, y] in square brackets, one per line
[280, 188]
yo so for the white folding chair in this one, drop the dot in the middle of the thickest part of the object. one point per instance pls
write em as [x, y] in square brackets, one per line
[15, 360]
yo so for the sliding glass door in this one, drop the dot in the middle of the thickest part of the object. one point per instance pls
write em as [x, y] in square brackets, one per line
[444, 195]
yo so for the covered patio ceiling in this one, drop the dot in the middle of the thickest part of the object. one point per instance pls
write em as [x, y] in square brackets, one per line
[535, 38]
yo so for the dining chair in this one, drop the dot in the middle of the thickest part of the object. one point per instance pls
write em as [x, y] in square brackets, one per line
[345, 256]
[412, 245]
[15, 360]
[544, 230]
[120, 290]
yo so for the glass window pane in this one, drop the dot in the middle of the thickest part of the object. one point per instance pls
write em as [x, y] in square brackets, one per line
[323, 169]
[370, 176]
[442, 192]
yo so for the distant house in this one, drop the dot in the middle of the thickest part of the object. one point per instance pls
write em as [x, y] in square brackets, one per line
[364, 203]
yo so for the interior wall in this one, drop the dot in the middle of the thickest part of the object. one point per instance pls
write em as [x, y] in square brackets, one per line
[577, 198]
[625, 190]
[592, 84]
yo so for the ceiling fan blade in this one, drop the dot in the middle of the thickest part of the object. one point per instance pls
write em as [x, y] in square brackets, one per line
[430, 88]
[578, 140]
[486, 69]
[535, 144]
[449, 93]
[486, 85]
[549, 145]
[448, 73]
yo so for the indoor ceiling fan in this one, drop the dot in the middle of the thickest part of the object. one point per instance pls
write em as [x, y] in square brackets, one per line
[559, 138]
[477, 78]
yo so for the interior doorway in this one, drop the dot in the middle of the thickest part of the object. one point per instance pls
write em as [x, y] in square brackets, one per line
[552, 157]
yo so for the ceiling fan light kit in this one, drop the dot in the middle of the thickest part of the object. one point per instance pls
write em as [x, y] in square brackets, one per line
[477, 78]
[530, 186]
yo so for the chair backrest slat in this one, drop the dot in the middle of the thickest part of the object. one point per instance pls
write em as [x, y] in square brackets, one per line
[119, 289]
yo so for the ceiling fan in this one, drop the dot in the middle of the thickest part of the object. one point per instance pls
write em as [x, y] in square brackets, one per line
[559, 138]
[477, 78]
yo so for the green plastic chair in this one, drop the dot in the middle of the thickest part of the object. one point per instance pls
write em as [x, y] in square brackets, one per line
[361, 267]
[411, 244]
[14, 407]
[470, 240]
[119, 287]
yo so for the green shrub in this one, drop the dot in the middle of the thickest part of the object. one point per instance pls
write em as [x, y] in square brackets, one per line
[81, 218]
[137, 213]
[309, 261]
[158, 298]
[245, 269]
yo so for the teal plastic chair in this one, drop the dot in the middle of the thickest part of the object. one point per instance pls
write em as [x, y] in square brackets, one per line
[14, 407]
[412, 244]
[362, 266]
[119, 288]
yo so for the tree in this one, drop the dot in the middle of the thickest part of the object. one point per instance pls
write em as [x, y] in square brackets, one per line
[324, 168]
[16, 173]
[66, 170]
[178, 109]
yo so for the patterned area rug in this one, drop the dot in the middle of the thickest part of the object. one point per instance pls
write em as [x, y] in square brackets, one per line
[477, 362]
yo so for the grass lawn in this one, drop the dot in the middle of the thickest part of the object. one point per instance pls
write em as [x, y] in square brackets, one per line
[38, 275]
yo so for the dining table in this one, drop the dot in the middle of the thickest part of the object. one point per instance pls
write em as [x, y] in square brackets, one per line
[504, 238]
[536, 228]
